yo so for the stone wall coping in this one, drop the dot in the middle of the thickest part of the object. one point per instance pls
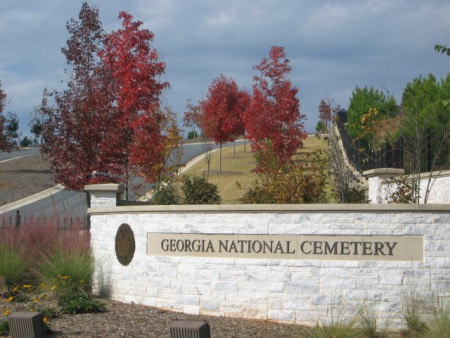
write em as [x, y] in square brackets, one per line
[267, 208]
[383, 171]
[106, 187]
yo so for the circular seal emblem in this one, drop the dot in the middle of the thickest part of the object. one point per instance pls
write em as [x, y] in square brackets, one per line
[125, 244]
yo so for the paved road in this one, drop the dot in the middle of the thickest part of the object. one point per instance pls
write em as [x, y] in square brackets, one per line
[57, 204]
[17, 153]
[63, 204]
[192, 150]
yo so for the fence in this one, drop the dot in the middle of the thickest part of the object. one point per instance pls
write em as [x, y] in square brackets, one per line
[76, 225]
[429, 152]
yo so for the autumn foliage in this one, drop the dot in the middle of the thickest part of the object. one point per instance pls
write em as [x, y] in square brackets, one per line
[109, 114]
[222, 110]
[135, 69]
[274, 112]
[292, 182]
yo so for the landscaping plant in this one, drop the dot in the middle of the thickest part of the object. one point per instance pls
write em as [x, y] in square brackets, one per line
[4, 327]
[197, 190]
[439, 325]
[335, 324]
[54, 266]
[76, 262]
[13, 267]
[415, 319]
[303, 181]
[166, 194]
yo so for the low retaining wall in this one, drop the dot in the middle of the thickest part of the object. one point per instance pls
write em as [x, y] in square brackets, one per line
[287, 263]
[380, 190]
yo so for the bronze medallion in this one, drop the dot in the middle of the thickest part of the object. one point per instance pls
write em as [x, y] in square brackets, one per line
[125, 244]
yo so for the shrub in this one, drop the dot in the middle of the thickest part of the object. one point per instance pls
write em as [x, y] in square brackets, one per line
[289, 183]
[13, 268]
[80, 302]
[349, 194]
[405, 190]
[197, 190]
[166, 194]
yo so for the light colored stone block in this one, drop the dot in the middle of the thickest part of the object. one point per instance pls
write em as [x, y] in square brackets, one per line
[295, 291]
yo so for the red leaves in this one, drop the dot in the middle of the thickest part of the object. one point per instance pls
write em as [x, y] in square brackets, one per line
[222, 110]
[108, 119]
[135, 68]
[274, 112]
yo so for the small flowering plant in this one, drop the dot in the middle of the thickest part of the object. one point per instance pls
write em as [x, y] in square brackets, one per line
[73, 297]
[65, 284]
[27, 297]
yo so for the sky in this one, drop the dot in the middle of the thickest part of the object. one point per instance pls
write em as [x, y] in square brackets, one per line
[333, 46]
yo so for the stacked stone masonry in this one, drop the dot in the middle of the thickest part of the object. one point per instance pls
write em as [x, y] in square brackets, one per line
[380, 189]
[294, 291]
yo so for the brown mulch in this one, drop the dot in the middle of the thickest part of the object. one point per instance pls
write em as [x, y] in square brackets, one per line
[131, 320]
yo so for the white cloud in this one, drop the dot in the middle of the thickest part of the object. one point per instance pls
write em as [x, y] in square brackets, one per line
[333, 46]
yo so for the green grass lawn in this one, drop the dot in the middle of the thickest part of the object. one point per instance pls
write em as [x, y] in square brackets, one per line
[237, 165]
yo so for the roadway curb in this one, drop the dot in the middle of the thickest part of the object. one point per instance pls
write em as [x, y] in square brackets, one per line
[195, 160]
[30, 199]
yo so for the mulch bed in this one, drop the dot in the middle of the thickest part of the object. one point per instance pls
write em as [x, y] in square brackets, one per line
[132, 320]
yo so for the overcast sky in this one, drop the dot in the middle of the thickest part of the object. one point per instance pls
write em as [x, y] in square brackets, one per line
[333, 46]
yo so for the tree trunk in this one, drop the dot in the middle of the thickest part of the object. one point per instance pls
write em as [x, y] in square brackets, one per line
[220, 158]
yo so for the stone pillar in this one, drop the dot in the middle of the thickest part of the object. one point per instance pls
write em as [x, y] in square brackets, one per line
[377, 178]
[104, 195]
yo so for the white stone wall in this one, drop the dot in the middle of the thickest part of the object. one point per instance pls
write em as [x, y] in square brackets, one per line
[375, 193]
[379, 191]
[440, 189]
[291, 291]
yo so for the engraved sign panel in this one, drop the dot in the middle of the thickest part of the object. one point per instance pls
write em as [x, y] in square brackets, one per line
[125, 244]
[301, 247]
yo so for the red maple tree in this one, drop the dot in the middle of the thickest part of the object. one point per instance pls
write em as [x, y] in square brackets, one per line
[222, 111]
[135, 68]
[274, 113]
[107, 123]
[327, 111]
[193, 116]
[75, 124]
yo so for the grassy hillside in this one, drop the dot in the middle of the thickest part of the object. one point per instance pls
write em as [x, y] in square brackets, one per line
[237, 176]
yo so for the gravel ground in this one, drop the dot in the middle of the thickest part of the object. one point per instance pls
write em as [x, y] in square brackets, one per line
[31, 174]
[131, 320]
[23, 177]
